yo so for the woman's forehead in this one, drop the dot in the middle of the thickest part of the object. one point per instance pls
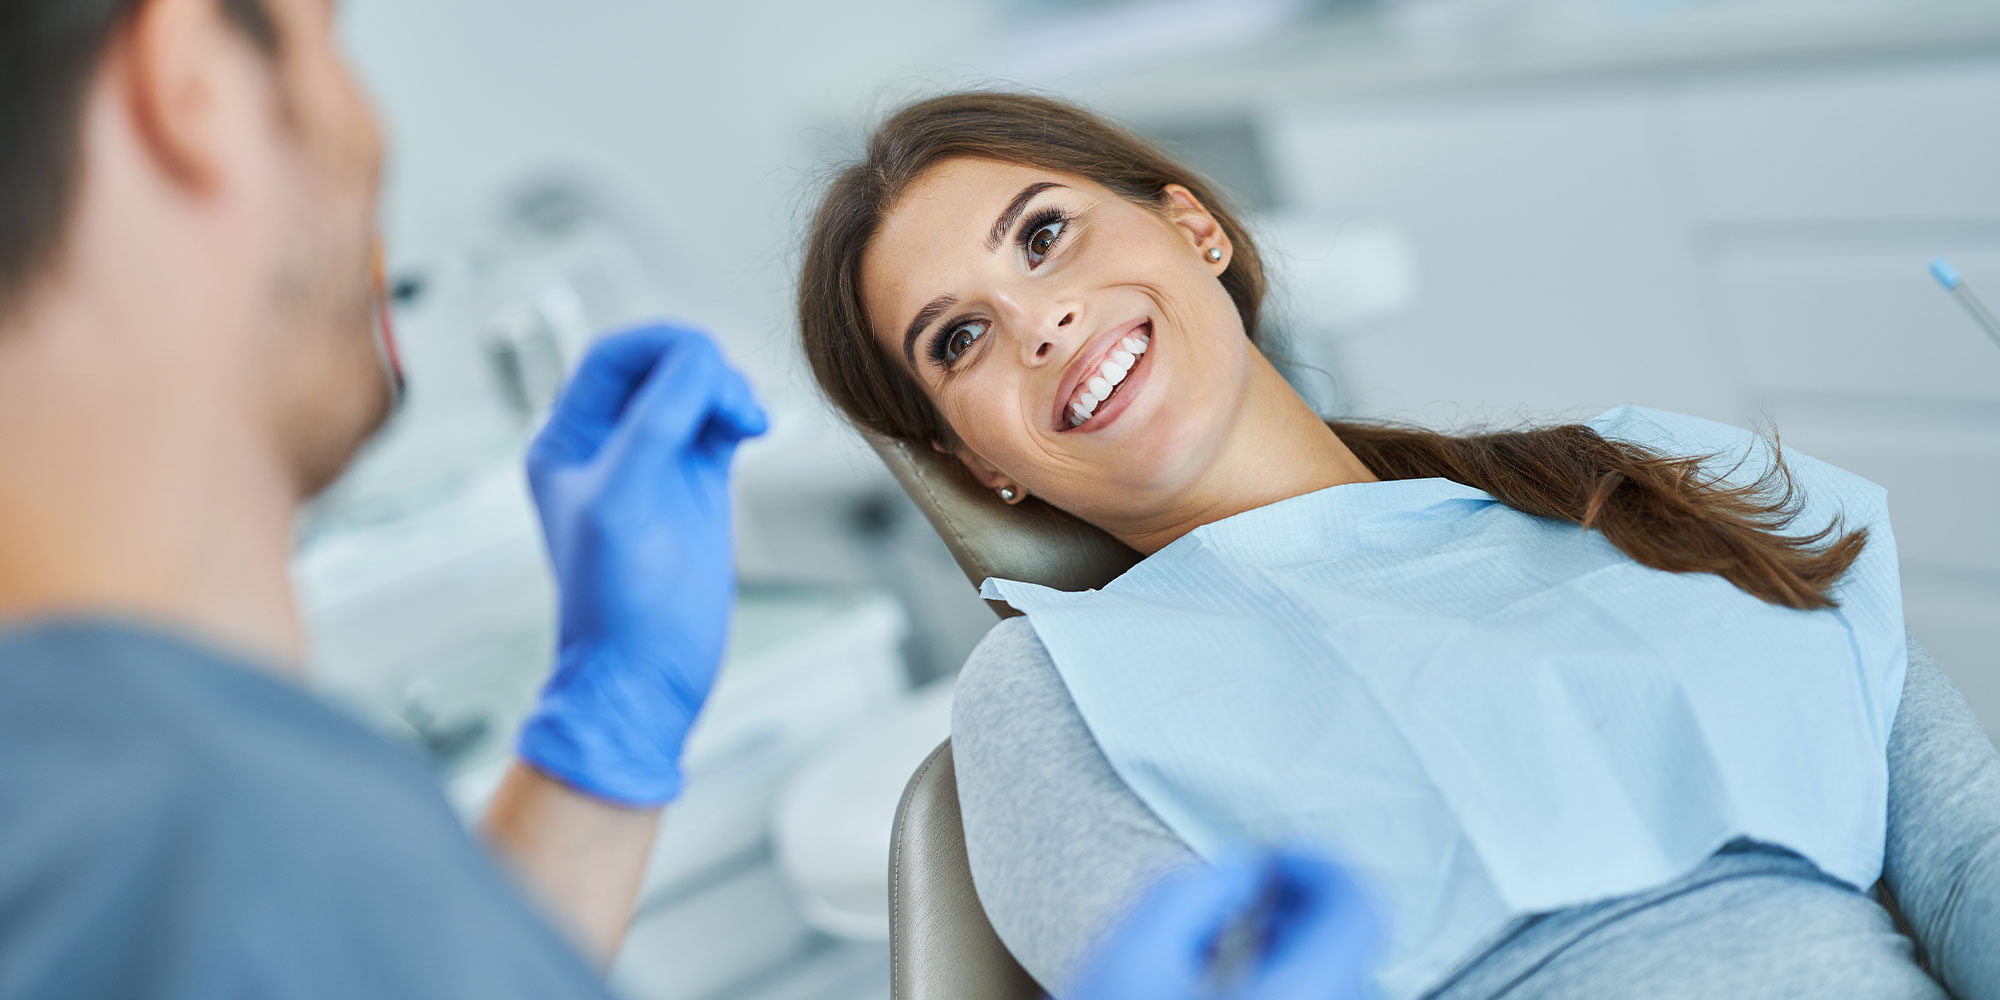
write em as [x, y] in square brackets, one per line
[941, 225]
[952, 206]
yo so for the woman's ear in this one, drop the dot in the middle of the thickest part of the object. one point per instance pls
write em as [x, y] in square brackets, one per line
[1204, 233]
[982, 470]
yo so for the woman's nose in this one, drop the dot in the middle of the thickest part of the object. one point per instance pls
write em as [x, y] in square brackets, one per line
[1045, 333]
[1045, 345]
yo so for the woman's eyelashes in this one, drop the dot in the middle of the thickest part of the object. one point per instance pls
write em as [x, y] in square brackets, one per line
[955, 339]
[1041, 233]
[1038, 238]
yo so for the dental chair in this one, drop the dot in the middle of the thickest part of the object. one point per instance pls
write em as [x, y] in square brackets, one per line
[940, 943]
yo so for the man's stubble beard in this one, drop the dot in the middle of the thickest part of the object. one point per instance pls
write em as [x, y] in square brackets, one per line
[331, 391]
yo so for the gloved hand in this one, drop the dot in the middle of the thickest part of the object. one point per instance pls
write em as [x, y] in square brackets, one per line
[1315, 936]
[631, 476]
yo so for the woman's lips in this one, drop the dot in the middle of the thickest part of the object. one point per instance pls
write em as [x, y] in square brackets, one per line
[1108, 348]
[1103, 397]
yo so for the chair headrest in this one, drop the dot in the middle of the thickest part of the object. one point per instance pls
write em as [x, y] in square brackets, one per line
[1029, 541]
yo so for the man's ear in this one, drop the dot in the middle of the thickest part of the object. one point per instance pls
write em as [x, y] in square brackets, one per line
[1204, 233]
[176, 56]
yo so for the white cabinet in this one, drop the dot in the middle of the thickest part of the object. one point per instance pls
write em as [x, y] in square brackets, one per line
[1551, 250]
[1894, 145]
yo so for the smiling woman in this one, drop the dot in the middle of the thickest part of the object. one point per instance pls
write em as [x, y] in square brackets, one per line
[1080, 347]
[971, 284]
[1565, 773]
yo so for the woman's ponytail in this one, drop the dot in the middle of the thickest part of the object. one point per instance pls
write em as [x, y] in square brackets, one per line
[1665, 512]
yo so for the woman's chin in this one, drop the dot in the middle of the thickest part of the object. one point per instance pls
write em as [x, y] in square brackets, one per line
[1152, 470]
[1156, 449]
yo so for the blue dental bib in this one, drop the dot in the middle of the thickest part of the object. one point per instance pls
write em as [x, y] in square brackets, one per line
[1490, 714]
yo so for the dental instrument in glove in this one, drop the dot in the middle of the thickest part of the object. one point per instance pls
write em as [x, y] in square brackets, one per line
[1282, 926]
[631, 475]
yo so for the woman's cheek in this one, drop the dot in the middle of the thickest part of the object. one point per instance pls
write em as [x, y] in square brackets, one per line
[981, 420]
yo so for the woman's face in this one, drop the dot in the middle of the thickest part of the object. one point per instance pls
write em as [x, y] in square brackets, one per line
[1079, 344]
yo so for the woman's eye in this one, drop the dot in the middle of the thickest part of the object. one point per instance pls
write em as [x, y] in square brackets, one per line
[961, 339]
[1042, 241]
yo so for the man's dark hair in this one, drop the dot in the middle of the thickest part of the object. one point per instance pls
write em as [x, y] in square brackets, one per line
[49, 49]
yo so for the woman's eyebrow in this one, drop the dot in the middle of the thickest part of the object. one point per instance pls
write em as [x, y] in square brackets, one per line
[1012, 213]
[924, 318]
[1001, 226]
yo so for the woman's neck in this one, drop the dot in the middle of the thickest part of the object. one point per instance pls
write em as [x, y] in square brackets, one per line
[1278, 449]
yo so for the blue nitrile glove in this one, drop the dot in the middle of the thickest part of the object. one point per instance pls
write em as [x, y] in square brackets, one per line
[1316, 935]
[631, 476]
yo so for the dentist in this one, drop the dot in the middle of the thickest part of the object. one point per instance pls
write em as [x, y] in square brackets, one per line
[187, 354]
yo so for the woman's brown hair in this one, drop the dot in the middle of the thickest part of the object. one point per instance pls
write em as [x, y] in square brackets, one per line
[1667, 512]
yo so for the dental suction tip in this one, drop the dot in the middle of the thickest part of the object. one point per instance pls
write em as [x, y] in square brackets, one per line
[1946, 275]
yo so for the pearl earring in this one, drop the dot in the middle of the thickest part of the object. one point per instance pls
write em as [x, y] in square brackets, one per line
[1215, 253]
[1007, 494]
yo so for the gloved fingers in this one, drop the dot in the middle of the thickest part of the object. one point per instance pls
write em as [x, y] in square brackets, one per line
[674, 443]
[687, 389]
[1324, 932]
[739, 401]
[612, 373]
[736, 417]
[1176, 924]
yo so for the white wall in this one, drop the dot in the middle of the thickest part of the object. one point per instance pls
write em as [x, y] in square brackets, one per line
[719, 110]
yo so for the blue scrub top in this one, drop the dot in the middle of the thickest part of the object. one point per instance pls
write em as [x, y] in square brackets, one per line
[175, 823]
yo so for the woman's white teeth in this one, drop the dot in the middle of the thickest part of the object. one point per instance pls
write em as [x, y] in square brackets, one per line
[1109, 376]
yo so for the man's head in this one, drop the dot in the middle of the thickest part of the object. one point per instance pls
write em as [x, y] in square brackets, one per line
[205, 172]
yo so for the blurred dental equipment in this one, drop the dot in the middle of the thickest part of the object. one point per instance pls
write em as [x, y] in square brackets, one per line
[486, 329]
[1948, 277]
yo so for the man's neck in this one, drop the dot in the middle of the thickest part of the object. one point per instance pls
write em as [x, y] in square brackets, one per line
[125, 492]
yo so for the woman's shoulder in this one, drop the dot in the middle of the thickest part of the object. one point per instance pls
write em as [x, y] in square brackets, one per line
[1012, 716]
[1018, 741]
[1008, 664]
[1058, 844]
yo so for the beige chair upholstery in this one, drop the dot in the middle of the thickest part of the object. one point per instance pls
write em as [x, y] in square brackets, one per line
[940, 944]
[942, 947]
[1029, 541]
